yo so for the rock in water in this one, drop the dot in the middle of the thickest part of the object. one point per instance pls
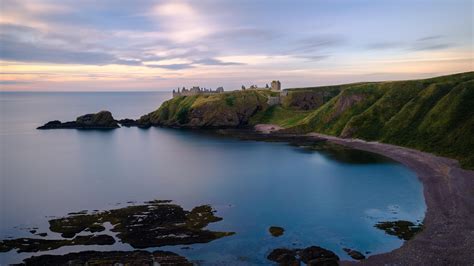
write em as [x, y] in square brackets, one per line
[137, 257]
[100, 120]
[354, 254]
[311, 256]
[276, 231]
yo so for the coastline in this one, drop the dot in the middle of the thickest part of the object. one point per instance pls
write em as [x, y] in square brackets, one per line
[447, 237]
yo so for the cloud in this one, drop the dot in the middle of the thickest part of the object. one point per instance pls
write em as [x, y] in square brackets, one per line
[180, 21]
[215, 62]
[434, 42]
[172, 66]
[12, 82]
[12, 50]
[317, 43]
[384, 45]
[427, 43]
[428, 38]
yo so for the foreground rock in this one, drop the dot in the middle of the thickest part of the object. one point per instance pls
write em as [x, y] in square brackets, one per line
[110, 258]
[276, 231]
[152, 224]
[402, 229]
[313, 255]
[100, 120]
[354, 254]
[35, 245]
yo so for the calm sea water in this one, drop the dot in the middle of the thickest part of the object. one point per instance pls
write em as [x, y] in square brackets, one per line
[319, 199]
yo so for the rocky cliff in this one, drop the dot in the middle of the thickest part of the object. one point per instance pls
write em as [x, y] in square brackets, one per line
[434, 115]
[100, 120]
[232, 109]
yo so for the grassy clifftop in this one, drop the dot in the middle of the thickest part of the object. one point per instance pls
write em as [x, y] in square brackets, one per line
[231, 109]
[434, 115]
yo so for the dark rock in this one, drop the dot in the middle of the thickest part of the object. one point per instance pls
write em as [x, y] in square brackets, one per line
[128, 122]
[317, 254]
[276, 231]
[42, 234]
[154, 224]
[283, 256]
[402, 229]
[33, 231]
[35, 245]
[354, 254]
[138, 257]
[312, 256]
[100, 120]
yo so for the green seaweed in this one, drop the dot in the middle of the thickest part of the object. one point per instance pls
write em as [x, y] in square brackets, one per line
[405, 230]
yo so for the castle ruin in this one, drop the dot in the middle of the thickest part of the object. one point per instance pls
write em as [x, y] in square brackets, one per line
[196, 90]
[275, 86]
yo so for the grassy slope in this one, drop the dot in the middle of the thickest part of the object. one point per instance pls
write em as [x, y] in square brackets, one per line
[185, 110]
[434, 115]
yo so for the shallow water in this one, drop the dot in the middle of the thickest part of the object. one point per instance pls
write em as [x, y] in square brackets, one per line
[326, 198]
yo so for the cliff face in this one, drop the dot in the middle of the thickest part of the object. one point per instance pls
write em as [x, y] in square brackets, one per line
[231, 109]
[309, 98]
[434, 115]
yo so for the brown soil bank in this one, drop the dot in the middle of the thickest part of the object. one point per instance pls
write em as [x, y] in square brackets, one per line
[448, 233]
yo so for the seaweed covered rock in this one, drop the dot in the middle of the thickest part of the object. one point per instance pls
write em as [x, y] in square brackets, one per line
[35, 245]
[402, 229]
[283, 256]
[100, 120]
[137, 257]
[354, 254]
[154, 224]
[276, 231]
[313, 255]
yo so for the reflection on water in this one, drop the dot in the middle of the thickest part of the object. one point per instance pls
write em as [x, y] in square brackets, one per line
[320, 195]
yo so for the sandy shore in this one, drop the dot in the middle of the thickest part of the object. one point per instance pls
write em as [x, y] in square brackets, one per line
[448, 233]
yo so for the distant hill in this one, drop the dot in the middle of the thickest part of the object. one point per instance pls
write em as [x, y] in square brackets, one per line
[434, 115]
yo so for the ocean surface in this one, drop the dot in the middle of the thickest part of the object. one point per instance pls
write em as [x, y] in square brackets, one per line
[320, 197]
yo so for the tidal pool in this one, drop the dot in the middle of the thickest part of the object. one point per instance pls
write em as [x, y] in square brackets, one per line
[328, 197]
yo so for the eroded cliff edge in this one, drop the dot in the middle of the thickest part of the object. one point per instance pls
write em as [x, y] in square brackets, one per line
[434, 115]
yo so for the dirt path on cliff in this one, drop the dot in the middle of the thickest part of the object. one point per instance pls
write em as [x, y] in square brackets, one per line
[448, 233]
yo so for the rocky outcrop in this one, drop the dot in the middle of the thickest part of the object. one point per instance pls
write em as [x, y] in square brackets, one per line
[313, 255]
[137, 257]
[354, 254]
[308, 99]
[223, 110]
[100, 120]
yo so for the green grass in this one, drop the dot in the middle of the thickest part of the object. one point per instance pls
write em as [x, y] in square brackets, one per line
[279, 116]
[434, 115]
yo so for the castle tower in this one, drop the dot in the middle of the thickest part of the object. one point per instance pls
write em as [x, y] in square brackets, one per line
[276, 85]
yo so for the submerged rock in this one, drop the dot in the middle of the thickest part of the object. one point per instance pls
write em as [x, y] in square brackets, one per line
[100, 120]
[154, 224]
[313, 255]
[35, 245]
[283, 256]
[276, 231]
[354, 254]
[402, 229]
[138, 257]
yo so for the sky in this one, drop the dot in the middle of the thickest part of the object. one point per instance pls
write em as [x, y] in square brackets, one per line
[144, 45]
